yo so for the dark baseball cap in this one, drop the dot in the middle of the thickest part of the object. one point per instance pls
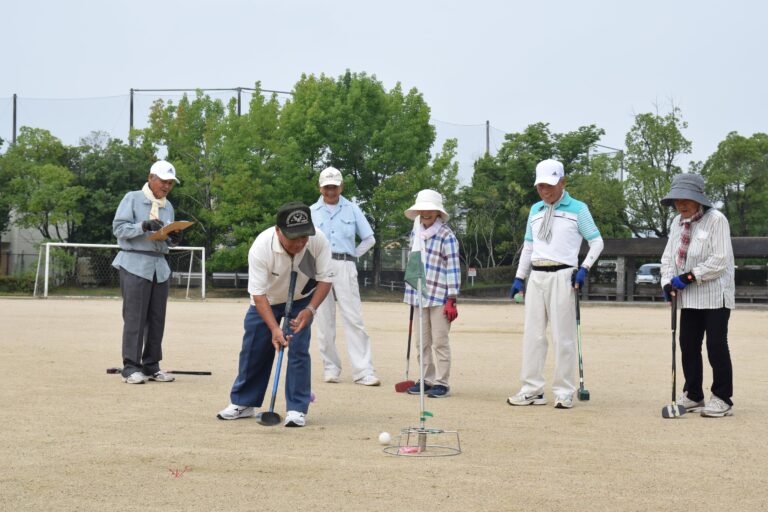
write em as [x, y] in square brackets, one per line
[295, 220]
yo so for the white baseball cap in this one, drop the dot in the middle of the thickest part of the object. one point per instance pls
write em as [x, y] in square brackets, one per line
[164, 170]
[331, 176]
[549, 171]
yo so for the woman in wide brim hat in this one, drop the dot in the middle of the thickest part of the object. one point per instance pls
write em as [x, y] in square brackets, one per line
[697, 267]
[435, 243]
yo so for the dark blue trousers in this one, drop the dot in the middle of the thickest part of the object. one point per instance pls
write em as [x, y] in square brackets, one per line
[257, 356]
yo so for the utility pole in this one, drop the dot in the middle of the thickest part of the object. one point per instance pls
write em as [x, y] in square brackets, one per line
[130, 122]
[14, 119]
[487, 138]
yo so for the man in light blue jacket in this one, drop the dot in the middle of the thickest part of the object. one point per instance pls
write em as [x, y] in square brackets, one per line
[144, 273]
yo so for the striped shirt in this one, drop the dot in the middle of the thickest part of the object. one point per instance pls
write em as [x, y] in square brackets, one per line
[710, 258]
[443, 271]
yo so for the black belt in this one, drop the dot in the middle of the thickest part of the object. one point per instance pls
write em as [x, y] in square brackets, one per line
[146, 253]
[343, 256]
[551, 268]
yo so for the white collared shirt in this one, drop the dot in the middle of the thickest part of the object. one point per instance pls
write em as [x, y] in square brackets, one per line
[269, 266]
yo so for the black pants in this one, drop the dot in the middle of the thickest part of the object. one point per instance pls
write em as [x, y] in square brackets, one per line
[694, 323]
[144, 304]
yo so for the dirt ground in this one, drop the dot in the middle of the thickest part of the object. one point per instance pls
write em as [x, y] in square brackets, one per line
[74, 438]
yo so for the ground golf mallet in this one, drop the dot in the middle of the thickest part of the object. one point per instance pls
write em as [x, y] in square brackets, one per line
[271, 418]
[583, 392]
[402, 387]
[176, 372]
[673, 410]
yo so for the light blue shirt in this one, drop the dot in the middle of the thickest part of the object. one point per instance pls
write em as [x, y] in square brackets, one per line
[340, 223]
[132, 211]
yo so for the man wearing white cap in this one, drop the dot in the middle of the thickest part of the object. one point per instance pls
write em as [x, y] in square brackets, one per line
[340, 220]
[439, 248]
[144, 273]
[549, 259]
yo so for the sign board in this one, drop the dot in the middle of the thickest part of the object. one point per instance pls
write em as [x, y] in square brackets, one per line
[471, 272]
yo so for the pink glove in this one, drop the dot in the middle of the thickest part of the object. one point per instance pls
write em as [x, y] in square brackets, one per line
[450, 311]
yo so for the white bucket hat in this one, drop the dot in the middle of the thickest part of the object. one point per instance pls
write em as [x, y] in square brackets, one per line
[427, 200]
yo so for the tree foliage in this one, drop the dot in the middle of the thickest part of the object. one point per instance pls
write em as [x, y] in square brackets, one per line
[737, 176]
[654, 144]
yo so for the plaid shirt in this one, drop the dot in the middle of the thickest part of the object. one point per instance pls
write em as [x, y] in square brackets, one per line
[442, 269]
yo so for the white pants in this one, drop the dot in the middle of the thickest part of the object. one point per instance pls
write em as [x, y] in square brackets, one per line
[346, 293]
[549, 298]
[437, 352]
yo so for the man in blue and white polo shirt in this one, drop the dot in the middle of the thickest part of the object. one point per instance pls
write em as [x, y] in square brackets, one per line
[556, 226]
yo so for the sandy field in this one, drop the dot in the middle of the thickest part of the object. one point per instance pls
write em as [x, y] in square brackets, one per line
[74, 438]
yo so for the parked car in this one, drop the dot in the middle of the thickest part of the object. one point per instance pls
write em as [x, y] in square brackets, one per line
[650, 273]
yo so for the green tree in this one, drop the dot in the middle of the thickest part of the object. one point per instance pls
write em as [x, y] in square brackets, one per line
[108, 169]
[192, 132]
[380, 140]
[737, 175]
[502, 190]
[654, 143]
[599, 187]
[41, 189]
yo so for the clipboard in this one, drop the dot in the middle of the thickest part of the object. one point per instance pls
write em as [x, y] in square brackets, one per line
[162, 234]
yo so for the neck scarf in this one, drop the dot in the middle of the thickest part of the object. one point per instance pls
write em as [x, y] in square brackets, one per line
[429, 232]
[154, 212]
[545, 230]
[685, 238]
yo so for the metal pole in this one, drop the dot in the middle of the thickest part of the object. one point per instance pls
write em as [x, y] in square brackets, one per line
[130, 124]
[203, 271]
[487, 138]
[47, 263]
[14, 118]
[239, 100]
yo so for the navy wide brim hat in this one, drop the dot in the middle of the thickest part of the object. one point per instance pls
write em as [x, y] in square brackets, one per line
[687, 186]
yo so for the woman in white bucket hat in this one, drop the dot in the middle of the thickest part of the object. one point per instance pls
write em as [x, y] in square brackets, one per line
[439, 250]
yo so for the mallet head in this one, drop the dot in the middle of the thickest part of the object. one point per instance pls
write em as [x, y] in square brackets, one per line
[583, 395]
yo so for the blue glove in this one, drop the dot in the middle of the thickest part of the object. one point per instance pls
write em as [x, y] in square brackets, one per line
[518, 285]
[683, 280]
[668, 290]
[578, 277]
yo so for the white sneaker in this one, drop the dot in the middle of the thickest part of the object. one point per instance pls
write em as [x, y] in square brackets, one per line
[690, 405]
[563, 402]
[333, 379]
[161, 376]
[235, 412]
[523, 399]
[716, 408]
[136, 378]
[369, 380]
[294, 419]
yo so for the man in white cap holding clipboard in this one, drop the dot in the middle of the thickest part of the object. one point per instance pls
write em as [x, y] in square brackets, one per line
[144, 272]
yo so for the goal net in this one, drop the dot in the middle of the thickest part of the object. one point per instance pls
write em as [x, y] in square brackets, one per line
[81, 270]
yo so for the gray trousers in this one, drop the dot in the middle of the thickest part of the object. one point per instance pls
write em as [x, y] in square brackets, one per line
[144, 304]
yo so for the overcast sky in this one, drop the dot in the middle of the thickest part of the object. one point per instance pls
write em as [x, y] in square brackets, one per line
[566, 62]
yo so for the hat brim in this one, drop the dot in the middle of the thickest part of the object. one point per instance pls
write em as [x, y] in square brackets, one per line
[298, 232]
[166, 177]
[335, 183]
[678, 194]
[548, 180]
[413, 212]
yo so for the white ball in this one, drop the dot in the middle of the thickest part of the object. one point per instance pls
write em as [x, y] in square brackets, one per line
[385, 438]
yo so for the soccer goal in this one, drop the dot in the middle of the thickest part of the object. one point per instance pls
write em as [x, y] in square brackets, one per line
[82, 270]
